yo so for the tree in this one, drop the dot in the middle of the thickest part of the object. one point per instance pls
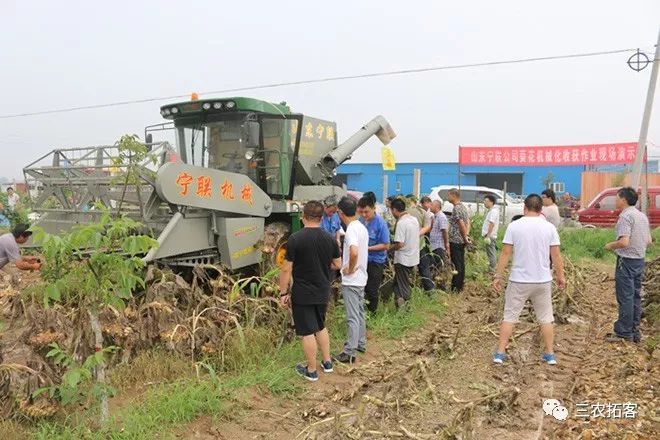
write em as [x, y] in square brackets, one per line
[547, 180]
[619, 179]
[93, 267]
[131, 154]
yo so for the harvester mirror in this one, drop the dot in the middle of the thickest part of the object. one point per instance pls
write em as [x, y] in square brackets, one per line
[251, 134]
[149, 140]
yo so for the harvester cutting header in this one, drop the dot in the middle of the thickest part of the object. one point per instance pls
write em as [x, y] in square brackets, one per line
[230, 189]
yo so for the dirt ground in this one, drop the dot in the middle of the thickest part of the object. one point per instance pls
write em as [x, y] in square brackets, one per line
[440, 383]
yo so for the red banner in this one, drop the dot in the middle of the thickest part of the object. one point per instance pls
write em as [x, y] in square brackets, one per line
[532, 156]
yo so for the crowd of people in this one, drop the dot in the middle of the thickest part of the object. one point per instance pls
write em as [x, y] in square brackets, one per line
[348, 238]
[351, 239]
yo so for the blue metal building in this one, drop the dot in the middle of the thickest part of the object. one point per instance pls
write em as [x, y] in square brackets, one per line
[520, 180]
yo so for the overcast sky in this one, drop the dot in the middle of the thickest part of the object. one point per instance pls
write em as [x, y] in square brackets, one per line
[70, 53]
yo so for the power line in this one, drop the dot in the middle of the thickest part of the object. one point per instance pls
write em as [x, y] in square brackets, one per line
[323, 80]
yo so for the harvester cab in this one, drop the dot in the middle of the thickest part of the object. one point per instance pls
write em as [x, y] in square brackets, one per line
[231, 189]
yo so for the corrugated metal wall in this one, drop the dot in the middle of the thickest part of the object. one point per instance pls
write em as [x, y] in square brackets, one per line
[369, 176]
[593, 183]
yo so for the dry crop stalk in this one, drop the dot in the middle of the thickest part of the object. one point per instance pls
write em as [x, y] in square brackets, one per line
[463, 419]
[192, 331]
[429, 384]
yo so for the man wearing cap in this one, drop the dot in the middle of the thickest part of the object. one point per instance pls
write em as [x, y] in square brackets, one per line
[11, 253]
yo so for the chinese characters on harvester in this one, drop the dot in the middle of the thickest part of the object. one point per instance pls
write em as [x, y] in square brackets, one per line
[320, 130]
[203, 188]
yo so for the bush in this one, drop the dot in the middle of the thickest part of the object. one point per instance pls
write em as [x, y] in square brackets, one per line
[476, 223]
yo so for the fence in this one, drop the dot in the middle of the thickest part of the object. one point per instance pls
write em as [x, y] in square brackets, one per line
[594, 182]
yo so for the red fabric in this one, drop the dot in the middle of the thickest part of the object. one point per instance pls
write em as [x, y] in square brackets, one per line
[566, 155]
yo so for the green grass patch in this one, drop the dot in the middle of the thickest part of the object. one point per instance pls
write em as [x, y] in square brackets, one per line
[163, 408]
[392, 324]
[589, 244]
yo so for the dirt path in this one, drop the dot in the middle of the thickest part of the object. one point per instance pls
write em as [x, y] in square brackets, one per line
[439, 383]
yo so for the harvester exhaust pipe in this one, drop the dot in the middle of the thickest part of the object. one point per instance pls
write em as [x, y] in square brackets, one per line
[377, 126]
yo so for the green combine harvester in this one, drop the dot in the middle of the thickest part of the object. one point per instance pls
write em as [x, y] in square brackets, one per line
[230, 191]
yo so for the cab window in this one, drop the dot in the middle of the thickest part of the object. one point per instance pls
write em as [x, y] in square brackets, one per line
[607, 203]
[469, 196]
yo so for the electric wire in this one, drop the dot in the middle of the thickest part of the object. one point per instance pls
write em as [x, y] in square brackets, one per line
[323, 80]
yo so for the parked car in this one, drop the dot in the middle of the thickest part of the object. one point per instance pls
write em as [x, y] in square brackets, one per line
[473, 197]
[602, 210]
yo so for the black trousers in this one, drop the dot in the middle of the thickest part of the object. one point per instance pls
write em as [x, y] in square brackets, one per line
[458, 260]
[439, 264]
[424, 268]
[402, 288]
[374, 280]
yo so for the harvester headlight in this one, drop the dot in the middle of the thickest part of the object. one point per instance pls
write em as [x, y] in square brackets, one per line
[165, 112]
[206, 105]
[249, 154]
[230, 105]
[174, 110]
[217, 105]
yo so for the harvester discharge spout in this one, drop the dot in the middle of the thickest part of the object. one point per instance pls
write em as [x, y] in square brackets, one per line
[377, 126]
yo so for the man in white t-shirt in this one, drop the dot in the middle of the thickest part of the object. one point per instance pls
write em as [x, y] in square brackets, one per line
[532, 240]
[406, 250]
[13, 199]
[353, 279]
[489, 231]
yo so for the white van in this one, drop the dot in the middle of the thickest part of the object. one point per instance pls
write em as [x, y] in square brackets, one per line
[473, 197]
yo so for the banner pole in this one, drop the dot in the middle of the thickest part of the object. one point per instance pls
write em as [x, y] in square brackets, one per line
[459, 167]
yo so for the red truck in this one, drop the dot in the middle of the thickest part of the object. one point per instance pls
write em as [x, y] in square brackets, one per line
[602, 209]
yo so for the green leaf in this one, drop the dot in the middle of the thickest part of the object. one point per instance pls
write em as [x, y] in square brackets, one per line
[53, 292]
[98, 357]
[38, 234]
[72, 378]
[36, 393]
[53, 352]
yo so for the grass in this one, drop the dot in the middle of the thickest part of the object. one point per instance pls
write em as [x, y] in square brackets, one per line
[391, 324]
[163, 408]
[588, 244]
[12, 429]
[157, 365]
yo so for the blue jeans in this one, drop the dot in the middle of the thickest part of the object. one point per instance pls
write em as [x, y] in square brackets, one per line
[628, 282]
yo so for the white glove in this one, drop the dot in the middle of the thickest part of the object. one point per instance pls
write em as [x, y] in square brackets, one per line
[487, 240]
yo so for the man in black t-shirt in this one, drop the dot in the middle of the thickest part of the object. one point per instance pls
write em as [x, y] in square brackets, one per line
[310, 255]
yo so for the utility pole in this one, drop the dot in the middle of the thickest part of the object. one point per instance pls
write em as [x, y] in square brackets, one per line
[504, 190]
[417, 182]
[641, 146]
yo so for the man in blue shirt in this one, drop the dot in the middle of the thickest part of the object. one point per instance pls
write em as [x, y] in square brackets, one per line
[330, 222]
[379, 243]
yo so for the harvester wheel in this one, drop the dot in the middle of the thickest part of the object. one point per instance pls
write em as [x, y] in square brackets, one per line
[275, 238]
[280, 255]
